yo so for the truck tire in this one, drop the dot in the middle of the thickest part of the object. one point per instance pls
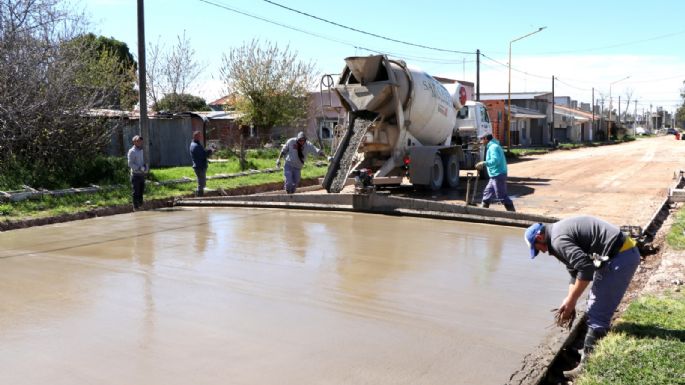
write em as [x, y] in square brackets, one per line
[437, 173]
[451, 166]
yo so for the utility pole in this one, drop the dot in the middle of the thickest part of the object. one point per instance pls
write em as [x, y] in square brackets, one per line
[477, 75]
[635, 113]
[551, 131]
[592, 125]
[601, 113]
[143, 123]
[619, 110]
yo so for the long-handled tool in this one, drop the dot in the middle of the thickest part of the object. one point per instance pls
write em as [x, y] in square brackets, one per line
[475, 188]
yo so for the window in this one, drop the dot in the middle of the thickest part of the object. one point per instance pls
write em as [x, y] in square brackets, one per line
[327, 127]
[463, 113]
[484, 115]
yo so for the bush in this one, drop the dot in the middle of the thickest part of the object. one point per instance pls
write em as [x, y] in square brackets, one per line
[101, 171]
[104, 170]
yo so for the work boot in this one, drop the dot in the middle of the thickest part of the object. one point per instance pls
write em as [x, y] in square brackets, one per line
[591, 338]
[509, 206]
[485, 204]
[199, 193]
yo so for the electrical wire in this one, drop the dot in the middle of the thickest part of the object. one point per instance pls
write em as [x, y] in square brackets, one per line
[365, 32]
[279, 24]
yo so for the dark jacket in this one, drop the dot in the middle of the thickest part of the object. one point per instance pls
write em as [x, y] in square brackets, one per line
[573, 240]
[199, 155]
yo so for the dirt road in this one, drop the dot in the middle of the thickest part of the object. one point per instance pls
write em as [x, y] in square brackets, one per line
[623, 183]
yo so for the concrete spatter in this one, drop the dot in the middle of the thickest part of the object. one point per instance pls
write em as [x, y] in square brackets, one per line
[246, 296]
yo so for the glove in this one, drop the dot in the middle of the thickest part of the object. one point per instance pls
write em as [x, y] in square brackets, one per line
[480, 165]
[330, 158]
[278, 163]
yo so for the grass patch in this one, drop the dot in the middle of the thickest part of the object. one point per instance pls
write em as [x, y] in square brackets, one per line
[646, 347]
[51, 206]
[676, 235]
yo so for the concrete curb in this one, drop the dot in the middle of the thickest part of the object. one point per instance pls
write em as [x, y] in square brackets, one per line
[373, 203]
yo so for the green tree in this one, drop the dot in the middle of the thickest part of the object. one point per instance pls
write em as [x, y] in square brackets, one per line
[48, 135]
[181, 103]
[270, 86]
[108, 64]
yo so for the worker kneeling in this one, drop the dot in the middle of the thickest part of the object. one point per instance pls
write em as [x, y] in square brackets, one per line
[593, 251]
[496, 164]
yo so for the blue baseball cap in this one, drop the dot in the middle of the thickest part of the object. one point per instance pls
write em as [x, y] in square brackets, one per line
[531, 232]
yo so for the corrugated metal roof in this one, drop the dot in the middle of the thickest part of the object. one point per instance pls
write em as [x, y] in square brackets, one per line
[523, 113]
[571, 112]
[514, 95]
[219, 115]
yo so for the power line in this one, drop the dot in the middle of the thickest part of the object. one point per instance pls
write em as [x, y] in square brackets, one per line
[618, 45]
[282, 25]
[514, 69]
[377, 51]
[365, 32]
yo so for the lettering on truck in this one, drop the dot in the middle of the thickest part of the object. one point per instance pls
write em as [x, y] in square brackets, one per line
[438, 92]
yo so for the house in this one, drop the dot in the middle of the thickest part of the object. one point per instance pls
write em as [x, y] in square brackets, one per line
[573, 125]
[529, 117]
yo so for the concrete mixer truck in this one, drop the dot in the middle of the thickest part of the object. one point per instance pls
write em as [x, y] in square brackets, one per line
[402, 122]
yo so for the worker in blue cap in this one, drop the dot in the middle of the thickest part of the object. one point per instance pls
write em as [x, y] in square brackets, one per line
[593, 251]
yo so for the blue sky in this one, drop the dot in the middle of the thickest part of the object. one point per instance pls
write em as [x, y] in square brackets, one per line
[586, 44]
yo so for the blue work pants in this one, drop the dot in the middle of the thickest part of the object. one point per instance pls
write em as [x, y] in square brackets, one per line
[496, 190]
[609, 284]
[292, 178]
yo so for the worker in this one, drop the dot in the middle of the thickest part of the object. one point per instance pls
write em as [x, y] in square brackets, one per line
[593, 251]
[295, 151]
[496, 165]
[136, 162]
[199, 156]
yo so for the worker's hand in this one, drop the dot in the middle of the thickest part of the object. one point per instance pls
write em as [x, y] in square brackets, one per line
[330, 159]
[278, 163]
[480, 165]
[566, 312]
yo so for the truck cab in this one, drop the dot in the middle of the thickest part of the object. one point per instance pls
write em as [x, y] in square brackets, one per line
[472, 121]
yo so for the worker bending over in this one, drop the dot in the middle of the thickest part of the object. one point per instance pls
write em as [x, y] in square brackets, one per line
[593, 251]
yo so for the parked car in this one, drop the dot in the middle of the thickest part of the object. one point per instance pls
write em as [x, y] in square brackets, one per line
[671, 131]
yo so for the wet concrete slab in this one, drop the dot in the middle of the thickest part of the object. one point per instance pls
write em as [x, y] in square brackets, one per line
[264, 296]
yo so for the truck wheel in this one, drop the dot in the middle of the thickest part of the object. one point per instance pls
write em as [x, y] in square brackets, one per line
[451, 166]
[437, 174]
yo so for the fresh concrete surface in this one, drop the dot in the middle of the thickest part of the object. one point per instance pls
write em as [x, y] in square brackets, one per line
[262, 296]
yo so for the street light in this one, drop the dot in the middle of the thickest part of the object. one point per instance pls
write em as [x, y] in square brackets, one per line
[610, 107]
[509, 111]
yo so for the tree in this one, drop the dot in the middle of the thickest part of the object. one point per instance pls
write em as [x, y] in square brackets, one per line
[109, 64]
[680, 113]
[181, 103]
[171, 72]
[271, 86]
[45, 138]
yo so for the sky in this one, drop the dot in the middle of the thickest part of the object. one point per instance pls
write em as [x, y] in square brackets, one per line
[628, 49]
